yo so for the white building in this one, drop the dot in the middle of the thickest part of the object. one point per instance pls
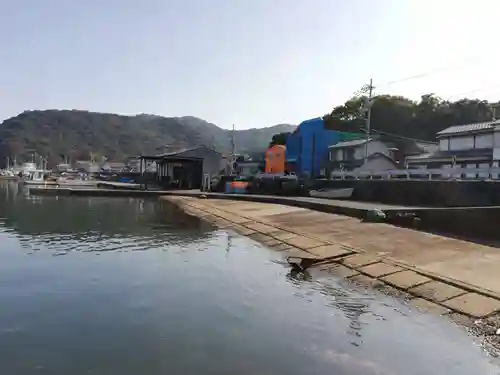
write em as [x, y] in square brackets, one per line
[87, 166]
[361, 155]
[463, 146]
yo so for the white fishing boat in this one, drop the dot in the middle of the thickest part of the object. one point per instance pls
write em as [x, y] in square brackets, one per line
[332, 193]
[7, 175]
[75, 182]
[36, 177]
[27, 168]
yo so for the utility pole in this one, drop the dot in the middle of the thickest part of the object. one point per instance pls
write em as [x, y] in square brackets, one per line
[368, 88]
[233, 148]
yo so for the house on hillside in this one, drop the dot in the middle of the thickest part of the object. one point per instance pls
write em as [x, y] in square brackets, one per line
[467, 146]
[361, 155]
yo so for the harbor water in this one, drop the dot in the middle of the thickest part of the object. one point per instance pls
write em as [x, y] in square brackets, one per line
[129, 286]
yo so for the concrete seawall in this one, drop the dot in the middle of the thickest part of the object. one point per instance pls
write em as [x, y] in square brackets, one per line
[421, 192]
[437, 274]
[474, 223]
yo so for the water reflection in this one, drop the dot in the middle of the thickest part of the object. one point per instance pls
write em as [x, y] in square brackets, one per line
[352, 306]
[171, 295]
[65, 224]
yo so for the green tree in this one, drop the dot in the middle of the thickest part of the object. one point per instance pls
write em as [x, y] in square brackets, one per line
[279, 139]
[414, 119]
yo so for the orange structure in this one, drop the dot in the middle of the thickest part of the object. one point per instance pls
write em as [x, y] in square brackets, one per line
[276, 159]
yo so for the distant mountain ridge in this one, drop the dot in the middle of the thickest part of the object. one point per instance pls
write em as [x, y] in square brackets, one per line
[77, 134]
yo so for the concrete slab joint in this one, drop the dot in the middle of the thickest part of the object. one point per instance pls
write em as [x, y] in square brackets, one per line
[436, 291]
[473, 304]
[379, 269]
[360, 260]
[405, 279]
[304, 243]
[330, 251]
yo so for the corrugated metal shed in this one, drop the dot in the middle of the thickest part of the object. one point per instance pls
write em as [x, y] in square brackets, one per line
[308, 146]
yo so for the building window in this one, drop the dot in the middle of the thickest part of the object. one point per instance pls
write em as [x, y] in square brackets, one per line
[462, 143]
[444, 144]
[349, 154]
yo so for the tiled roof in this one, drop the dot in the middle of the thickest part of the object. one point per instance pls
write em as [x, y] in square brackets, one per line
[469, 127]
[186, 149]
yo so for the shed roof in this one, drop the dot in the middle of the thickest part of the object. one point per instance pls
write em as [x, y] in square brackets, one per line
[178, 154]
[353, 143]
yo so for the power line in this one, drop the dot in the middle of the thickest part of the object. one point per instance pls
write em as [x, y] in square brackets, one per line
[434, 71]
[409, 78]
[400, 136]
[474, 90]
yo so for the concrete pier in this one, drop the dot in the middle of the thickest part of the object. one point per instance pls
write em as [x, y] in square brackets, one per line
[473, 223]
[435, 273]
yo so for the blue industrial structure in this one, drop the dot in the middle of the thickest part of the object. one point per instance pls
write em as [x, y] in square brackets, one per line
[307, 146]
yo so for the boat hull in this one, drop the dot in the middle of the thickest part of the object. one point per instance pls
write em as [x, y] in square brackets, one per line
[332, 193]
[38, 183]
[75, 183]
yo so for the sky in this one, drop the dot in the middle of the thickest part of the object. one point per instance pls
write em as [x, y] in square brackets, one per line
[251, 63]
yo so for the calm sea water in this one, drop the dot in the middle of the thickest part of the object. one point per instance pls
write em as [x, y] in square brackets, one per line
[127, 286]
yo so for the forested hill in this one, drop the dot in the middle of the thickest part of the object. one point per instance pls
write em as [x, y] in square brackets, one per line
[78, 134]
[415, 119]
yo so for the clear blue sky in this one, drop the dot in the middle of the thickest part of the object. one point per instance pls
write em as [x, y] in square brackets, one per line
[248, 62]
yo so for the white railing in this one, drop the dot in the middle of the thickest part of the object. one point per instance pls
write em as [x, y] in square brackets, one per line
[423, 174]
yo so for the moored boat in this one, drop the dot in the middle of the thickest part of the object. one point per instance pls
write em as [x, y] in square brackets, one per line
[67, 182]
[8, 174]
[37, 177]
[332, 193]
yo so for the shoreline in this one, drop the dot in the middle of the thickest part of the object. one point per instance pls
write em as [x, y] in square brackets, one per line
[473, 224]
[470, 306]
